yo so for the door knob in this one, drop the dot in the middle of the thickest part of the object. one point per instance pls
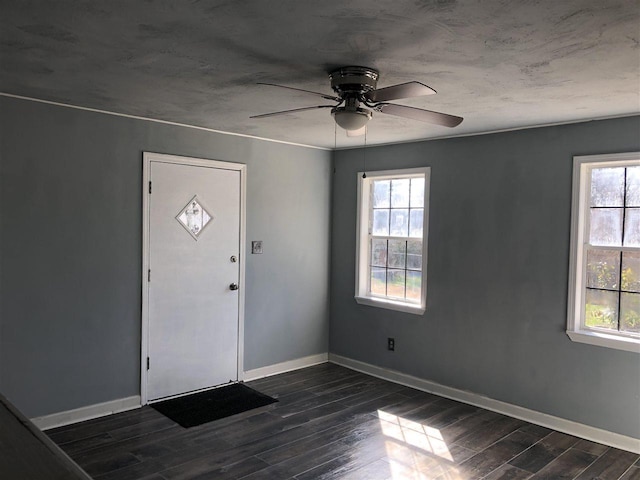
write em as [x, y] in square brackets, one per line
[233, 286]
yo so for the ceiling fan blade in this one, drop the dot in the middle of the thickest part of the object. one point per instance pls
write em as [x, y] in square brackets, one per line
[420, 114]
[357, 133]
[326, 97]
[284, 112]
[402, 90]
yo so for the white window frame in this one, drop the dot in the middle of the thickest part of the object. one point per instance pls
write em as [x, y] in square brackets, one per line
[362, 295]
[582, 166]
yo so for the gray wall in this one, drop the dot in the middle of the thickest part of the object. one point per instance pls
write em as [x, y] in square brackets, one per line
[70, 250]
[497, 275]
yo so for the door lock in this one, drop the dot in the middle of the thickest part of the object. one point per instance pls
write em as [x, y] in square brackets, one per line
[233, 286]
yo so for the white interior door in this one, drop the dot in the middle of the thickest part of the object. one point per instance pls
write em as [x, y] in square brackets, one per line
[194, 255]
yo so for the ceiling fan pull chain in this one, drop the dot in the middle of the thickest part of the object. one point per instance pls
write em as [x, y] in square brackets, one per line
[364, 154]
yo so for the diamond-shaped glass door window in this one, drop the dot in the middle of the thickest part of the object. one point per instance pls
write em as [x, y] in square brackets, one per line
[194, 218]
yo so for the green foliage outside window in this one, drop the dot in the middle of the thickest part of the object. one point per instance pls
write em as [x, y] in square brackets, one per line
[603, 310]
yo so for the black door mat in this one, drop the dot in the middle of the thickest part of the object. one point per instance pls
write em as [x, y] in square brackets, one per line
[203, 407]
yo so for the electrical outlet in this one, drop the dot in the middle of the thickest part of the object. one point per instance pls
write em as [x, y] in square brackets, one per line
[391, 344]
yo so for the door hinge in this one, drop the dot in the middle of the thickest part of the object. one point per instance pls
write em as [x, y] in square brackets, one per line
[149, 186]
[147, 363]
[149, 275]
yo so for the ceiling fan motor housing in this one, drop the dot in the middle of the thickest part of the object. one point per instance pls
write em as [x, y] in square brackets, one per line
[353, 81]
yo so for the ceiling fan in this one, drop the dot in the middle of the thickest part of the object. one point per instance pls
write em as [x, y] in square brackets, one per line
[358, 99]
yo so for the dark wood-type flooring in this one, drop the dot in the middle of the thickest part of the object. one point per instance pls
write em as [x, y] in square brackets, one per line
[335, 423]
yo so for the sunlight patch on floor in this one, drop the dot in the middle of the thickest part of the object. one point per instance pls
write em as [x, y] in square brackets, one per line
[415, 434]
[415, 451]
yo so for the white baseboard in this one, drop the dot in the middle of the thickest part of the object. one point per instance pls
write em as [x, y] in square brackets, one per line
[121, 405]
[285, 366]
[556, 423]
[86, 413]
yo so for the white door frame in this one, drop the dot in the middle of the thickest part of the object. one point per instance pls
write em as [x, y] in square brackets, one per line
[149, 157]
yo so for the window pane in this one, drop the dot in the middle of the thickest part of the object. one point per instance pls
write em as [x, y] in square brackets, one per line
[399, 222]
[606, 226]
[631, 271]
[607, 187]
[414, 285]
[381, 192]
[397, 253]
[601, 309]
[632, 227]
[394, 224]
[378, 281]
[603, 269]
[380, 222]
[414, 255]
[633, 187]
[417, 192]
[395, 283]
[378, 253]
[415, 222]
[630, 312]
[400, 193]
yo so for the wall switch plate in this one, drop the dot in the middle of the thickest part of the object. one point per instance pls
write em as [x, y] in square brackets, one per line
[256, 246]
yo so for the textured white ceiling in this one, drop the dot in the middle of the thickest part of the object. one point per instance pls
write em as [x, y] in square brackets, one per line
[499, 64]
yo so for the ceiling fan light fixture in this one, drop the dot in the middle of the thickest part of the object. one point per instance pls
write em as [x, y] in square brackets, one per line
[351, 119]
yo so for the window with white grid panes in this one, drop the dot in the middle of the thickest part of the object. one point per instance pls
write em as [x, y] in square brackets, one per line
[392, 239]
[606, 295]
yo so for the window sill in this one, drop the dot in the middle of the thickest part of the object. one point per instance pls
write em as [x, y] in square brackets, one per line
[391, 305]
[604, 340]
